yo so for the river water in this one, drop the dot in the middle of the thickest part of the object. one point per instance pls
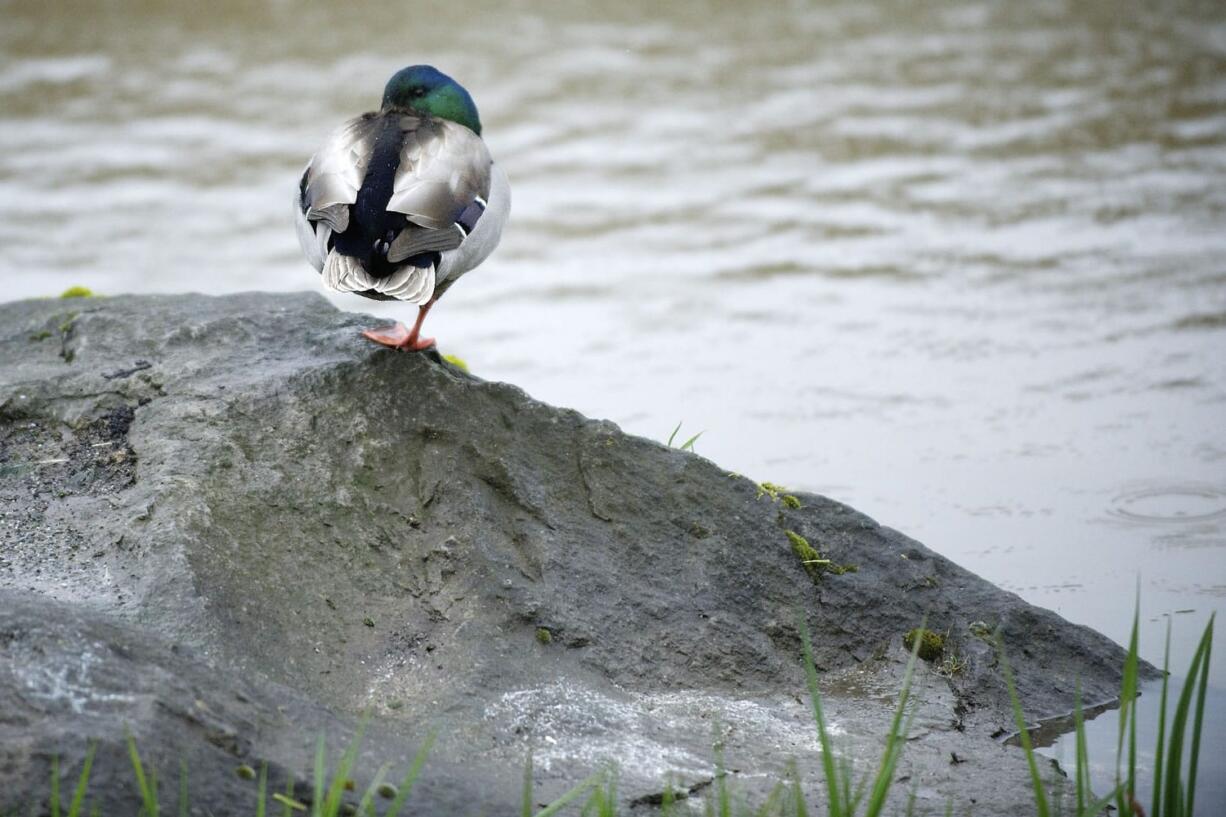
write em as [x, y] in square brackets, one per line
[960, 265]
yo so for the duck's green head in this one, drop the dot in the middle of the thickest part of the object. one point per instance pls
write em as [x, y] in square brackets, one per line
[426, 89]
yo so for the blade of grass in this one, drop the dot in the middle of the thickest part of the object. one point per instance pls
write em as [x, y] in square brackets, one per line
[668, 799]
[182, 788]
[261, 804]
[78, 795]
[287, 800]
[1082, 763]
[673, 436]
[895, 739]
[1160, 749]
[815, 698]
[147, 786]
[410, 777]
[688, 445]
[321, 762]
[525, 808]
[798, 795]
[344, 767]
[1097, 807]
[1042, 807]
[365, 803]
[1128, 696]
[288, 804]
[1174, 795]
[1194, 759]
[564, 799]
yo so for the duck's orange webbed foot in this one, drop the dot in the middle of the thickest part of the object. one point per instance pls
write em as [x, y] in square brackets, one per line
[398, 336]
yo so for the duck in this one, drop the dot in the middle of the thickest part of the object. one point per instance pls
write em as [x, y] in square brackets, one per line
[400, 202]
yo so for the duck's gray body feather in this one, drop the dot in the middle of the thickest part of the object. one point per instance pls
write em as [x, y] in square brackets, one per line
[437, 170]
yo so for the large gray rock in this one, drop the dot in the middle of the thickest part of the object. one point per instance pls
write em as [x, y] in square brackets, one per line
[228, 524]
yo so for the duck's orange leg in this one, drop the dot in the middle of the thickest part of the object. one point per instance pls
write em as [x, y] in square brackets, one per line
[398, 336]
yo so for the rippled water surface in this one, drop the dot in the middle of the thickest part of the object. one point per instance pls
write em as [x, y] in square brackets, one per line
[960, 265]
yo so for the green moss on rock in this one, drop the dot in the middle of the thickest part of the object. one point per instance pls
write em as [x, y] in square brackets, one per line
[77, 292]
[931, 644]
[808, 555]
[543, 635]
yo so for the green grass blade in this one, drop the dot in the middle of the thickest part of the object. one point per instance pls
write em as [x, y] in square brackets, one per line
[668, 800]
[773, 804]
[182, 788]
[410, 777]
[1082, 773]
[1194, 759]
[321, 762]
[896, 739]
[1174, 794]
[525, 808]
[1042, 807]
[147, 786]
[344, 768]
[286, 800]
[288, 804]
[366, 803]
[261, 804]
[688, 445]
[78, 795]
[1160, 749]
[673, 436]
[828, 768]
[1128, 697]
[564, 800]
[1097, 807]
[798, 795]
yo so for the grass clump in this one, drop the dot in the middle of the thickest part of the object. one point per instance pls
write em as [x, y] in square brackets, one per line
[925, 643]
[1175, 768]
[688, 445]
[951, 666]
[77, 292]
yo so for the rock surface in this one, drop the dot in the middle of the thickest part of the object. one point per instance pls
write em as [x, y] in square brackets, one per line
[230, 524]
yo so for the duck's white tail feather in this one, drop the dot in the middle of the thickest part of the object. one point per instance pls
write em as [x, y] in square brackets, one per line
[344, 273]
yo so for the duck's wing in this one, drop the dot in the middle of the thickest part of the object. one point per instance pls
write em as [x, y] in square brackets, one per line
[336, 171]
[441, 185]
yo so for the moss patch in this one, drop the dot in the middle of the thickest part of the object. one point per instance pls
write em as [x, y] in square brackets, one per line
[769, 489]
[814, 563]
[808, 555]
[790, 501]
[543, 635]
[931, 644]
[457, 361]
[77, 292]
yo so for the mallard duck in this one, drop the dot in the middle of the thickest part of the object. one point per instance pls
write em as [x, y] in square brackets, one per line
[400, 202]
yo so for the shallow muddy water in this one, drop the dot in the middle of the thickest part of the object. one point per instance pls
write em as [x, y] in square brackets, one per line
[960, 265]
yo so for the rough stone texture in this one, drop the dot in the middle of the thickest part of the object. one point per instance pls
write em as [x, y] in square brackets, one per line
[228, 524]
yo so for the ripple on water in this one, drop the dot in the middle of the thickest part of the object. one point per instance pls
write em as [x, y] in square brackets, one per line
[1170, 502]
